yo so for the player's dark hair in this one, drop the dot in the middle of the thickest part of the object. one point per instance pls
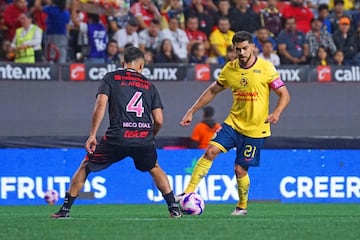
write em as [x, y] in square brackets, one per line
[242, 36]
[132, 54]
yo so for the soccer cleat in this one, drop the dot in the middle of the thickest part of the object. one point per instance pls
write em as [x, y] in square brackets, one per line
[61, 214]
[239, 212]
[179, 197]
[175, 211]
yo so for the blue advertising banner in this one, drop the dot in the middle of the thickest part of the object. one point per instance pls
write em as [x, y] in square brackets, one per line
[289, 176]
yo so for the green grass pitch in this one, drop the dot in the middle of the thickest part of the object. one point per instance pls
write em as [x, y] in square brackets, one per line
[265, 221]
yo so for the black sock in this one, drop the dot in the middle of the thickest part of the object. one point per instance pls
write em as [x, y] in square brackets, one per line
[169, 198]
[68, 202]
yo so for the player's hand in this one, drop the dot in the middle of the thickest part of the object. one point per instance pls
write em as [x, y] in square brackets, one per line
[273, 118]
[90, 144]
[186, 120]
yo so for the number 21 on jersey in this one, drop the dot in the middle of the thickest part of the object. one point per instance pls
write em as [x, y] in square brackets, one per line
[249, 151]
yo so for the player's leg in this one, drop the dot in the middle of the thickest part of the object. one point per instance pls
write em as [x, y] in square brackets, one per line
[202, 167]
[145, 159]
[77, 183]
[243, 185]
[79, 178]
[223, 141]
[162, 183]
[160, 179]
[103, 157]
[247, 155]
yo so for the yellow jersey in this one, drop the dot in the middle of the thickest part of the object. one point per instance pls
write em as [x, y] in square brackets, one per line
[251, 95]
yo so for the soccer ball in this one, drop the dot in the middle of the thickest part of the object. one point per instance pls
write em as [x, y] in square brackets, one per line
[51, 196]
[192, 204]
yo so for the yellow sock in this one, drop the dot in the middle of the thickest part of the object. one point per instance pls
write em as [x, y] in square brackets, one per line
[243, 191]
[201, 169]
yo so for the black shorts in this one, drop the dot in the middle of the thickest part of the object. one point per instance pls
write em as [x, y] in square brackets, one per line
[106, 154]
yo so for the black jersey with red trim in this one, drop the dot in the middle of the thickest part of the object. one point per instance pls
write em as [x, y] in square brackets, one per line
[131, 100]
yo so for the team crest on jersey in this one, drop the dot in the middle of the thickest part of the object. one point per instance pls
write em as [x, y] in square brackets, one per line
[243, 81]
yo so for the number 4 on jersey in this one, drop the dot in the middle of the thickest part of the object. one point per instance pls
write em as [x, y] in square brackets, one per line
[135, 105]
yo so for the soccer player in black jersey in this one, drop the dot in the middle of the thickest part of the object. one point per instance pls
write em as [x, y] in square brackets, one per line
[135, 114]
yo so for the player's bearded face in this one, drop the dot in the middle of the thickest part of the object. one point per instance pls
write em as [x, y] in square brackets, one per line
[244, 51]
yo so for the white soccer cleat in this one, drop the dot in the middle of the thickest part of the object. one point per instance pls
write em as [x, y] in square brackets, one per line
[179, 197]
[239, 212]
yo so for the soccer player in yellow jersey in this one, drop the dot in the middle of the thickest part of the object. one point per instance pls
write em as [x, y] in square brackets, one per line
[250, 79]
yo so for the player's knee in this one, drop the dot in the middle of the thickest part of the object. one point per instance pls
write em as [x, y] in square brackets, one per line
[85, 165]
[211, 152]
[146, 166]
[87, 169]
[241, 171]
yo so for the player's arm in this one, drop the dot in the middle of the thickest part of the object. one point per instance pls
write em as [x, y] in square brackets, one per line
[97, 117]
[283, 101]
[158, 118]
[207, 96]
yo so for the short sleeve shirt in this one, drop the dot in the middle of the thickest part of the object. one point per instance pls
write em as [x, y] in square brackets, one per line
[132, 98]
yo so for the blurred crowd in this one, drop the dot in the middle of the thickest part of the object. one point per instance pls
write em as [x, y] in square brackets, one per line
[318, 32]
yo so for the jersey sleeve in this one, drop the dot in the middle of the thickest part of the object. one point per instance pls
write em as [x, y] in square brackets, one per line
[275, 81]
[222, 76]
[104, 87]
[156, 100]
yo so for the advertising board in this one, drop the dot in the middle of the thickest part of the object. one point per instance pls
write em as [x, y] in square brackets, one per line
[289, 176]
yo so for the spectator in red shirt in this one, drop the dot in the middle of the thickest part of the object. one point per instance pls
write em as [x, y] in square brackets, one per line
[11, 17]
[194, 34]
[38, 16]
[145, 11]
[302, 14]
